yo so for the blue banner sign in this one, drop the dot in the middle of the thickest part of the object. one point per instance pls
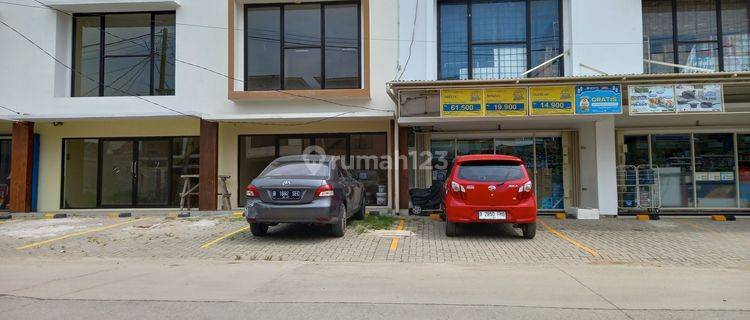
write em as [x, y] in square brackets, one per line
[599, 99]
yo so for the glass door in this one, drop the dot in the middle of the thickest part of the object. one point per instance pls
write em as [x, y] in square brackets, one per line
[117, 173]
[152, 166]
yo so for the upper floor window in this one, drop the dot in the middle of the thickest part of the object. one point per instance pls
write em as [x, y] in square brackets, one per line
[302, 46]
[498, 38]
[124, 54]
[707, 34]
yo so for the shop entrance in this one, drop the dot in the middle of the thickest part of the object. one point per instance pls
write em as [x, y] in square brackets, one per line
[542, 154]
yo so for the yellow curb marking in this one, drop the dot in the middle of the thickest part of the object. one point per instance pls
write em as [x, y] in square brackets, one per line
[642, 217]
[75, 234]
[238, 213]
[717, 217]
[569, 239]
[560, 216]
[49, 215]
[4, 222]
[394, 241]
[219, 239]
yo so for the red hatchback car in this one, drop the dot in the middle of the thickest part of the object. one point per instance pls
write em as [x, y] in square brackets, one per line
[489, 189]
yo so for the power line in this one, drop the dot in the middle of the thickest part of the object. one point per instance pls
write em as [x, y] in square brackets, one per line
[224, 75]
[87, 77]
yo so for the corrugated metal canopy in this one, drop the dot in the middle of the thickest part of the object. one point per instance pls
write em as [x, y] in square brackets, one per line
[713, 77]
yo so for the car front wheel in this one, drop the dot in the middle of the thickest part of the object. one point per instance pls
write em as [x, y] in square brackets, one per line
[529, 230]
[258, 229]
[339, 228]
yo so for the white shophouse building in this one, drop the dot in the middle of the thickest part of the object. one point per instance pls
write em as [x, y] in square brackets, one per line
[108, 104]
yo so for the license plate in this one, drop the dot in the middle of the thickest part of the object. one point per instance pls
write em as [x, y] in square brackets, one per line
[286, 194]
[492, 215]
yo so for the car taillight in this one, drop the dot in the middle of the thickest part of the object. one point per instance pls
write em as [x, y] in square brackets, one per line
[325, 190]
[526, 187]
[252, 191]
[456, 187]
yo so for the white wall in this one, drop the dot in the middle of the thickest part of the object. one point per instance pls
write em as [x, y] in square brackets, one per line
[606, 35]
[598, 165]
[32, 83]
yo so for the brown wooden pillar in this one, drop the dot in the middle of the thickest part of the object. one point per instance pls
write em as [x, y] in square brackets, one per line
[209, 166]
[403, 174]
[21, 167]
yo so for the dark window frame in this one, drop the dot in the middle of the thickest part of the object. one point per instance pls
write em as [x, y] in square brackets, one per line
[322, 45]
[311, 140]
[675, 35]
[527, 40]
[102, 45]
[136, 139]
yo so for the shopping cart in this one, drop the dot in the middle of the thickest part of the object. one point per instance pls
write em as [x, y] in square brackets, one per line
[638, 189]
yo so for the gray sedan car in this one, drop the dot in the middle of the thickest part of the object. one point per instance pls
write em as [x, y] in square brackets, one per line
[311, 189]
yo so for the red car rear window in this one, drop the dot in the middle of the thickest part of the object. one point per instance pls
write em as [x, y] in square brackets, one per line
[495, 171]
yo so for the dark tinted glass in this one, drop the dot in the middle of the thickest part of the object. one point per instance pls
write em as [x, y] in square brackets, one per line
[302, 25]
[453, 37]
[164, 54]
[87, 56]
[735, 22]
[342, 46]
[127, 76]
[127, 34]
[658, 42]
[545, 37]
[498, 21]
[131, 53]
[494, 171]
[255, 153]
[696, 20]
[636, 150]
[80, 168]
[302, 67]
[263, 58]
[296, 169]
[185, 160]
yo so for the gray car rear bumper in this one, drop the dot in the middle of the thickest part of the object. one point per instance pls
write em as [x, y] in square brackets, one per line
[323, 211]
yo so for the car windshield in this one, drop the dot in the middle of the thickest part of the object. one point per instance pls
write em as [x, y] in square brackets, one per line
[497, 171]
[317, 170]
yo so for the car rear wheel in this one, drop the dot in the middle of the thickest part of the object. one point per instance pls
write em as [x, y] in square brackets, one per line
[529, 230]
[451, 229]
[258, 229]
[339, 228]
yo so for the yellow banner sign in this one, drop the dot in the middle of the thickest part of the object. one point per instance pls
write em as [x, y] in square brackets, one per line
[552, 100]
[461, 103]
[506, 102]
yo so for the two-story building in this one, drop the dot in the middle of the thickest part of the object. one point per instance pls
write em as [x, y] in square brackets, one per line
[113, 104]
[117, 100]
[617, 106]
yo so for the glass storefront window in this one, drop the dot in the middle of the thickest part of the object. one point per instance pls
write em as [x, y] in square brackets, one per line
[715, 170]
[80, 173]
[549, 173]
[636, 150]
[443, 152]
[256, 152]
[466, 147]
[5, 151]
[545, 167]
[519, 147]
[743, 157]
[366, 164]
[671, 154]
[361, 152]
[185, 160]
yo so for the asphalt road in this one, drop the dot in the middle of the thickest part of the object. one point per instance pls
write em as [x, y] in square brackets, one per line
[199, 289]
